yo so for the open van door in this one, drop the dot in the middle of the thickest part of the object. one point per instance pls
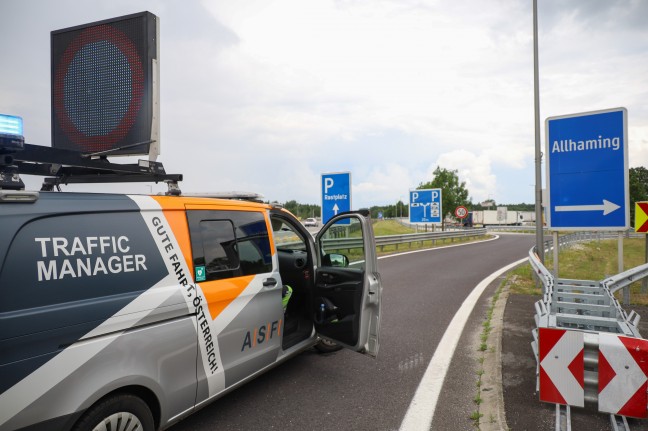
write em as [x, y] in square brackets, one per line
[346, 298]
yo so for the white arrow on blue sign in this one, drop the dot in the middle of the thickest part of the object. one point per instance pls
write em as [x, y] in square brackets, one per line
[587, 171]
[425, 206]
[336, 194]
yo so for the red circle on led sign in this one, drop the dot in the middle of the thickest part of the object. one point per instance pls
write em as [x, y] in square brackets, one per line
[129, 51]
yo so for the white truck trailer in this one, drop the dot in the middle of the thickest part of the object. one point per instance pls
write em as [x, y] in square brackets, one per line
[499, 217]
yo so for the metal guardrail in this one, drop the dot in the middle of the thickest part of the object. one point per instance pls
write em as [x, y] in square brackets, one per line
[575, 237]
[410, 238]
[590, 312]
[619, 281]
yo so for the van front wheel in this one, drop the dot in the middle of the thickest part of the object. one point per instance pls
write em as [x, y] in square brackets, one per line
[122, 412]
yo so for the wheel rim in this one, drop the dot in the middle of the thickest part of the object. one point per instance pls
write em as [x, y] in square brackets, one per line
[120, 421]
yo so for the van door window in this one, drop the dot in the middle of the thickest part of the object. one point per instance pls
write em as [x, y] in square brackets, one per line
[229, 243]
[219, 245]
[342, 245]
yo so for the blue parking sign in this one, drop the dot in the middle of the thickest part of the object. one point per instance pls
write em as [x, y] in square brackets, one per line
[425, 206]
[336, 194]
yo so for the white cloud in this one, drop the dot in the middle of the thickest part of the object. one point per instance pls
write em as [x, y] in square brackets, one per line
[387, 184]
[473, 169]
[384, 89]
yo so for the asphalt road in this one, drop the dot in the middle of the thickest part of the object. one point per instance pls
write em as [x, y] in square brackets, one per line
[348, 391]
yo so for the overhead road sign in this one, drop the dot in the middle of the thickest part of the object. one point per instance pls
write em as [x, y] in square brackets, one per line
[587, 171]
[425, 206]
[336, 194]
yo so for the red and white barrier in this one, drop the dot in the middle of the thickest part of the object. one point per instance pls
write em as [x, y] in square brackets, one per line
[562, 369]
[623, 375]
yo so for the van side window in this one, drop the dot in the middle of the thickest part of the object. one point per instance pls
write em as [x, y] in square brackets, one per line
[229, 243]
[219, 245]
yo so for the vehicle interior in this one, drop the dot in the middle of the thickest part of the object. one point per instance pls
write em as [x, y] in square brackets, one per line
[296, 270]
[338, 288]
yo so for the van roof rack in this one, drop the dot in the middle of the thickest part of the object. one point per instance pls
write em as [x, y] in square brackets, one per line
[243, 196]
[61, 166]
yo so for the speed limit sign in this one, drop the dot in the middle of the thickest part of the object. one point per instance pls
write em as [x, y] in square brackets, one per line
[461, 212]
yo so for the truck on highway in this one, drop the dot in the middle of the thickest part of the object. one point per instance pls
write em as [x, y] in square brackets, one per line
[499, 217]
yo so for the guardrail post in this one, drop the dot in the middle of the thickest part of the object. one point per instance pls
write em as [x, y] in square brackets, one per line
[556, 242]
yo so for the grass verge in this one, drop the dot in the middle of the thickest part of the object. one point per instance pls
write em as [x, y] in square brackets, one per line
[483, 349]
[595, 260]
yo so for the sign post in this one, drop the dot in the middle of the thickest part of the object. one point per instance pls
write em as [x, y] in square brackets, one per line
[336, 194]
[425, 206]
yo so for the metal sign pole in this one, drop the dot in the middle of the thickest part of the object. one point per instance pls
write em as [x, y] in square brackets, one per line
[538, 152]
[626, 290]
[555, 253]
[644, 283]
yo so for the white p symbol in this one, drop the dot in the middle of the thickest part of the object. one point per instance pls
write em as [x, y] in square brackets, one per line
[414, 196]
[328, 183]
[435, 195]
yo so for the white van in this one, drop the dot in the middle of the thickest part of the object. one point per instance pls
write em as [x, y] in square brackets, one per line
[132, 309]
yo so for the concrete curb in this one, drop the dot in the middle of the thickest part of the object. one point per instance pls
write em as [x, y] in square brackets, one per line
[491, 391]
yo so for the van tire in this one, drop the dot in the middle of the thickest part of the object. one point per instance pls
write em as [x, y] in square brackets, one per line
[122, 410]
[327, 346]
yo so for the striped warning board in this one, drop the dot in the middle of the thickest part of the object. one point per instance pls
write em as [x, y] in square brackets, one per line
[641, 217]
[562, 368]
[623, 375]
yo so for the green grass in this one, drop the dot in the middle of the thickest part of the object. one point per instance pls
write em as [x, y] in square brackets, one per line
[593, 260]
[390, 227]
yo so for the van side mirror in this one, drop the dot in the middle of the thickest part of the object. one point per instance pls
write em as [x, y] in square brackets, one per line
[337, 260]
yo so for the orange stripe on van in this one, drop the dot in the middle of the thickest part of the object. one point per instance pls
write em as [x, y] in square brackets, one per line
[174, 212]
[220, 293]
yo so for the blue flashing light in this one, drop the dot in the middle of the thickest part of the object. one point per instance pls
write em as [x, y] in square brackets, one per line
[11, 125]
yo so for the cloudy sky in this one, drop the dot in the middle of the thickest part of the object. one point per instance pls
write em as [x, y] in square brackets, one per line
[266, 95]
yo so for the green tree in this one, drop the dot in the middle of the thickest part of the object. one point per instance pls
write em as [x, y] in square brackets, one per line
[302, 211]
[638, 185]
[390, 211]
[453, 192]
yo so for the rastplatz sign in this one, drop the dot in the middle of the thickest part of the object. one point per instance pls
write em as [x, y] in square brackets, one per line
[425, 206]
[587, 171]
[336, 194]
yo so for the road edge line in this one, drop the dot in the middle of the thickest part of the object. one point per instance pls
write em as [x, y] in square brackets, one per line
[421, 410]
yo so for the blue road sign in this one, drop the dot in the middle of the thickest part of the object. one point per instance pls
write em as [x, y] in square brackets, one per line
[425, 206]
[336, 194]
[587, 171]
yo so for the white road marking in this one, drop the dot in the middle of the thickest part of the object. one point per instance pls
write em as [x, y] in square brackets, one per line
[421, 410]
